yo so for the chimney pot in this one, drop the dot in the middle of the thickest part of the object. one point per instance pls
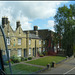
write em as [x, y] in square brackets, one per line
[4, 21]
[35, 28]
[18, 24]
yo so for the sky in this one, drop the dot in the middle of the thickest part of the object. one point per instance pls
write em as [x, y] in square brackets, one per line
[31, 13]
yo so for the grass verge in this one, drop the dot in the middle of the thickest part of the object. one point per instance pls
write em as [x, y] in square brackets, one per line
[22, 69]
[45, 60]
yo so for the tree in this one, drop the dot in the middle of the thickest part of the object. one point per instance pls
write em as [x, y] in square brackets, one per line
[64, 26]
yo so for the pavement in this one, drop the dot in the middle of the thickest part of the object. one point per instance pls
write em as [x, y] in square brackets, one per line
[67, 67]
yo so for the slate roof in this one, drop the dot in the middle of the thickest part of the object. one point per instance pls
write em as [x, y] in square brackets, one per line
[42, 34]
[45, 33]
[33, 36]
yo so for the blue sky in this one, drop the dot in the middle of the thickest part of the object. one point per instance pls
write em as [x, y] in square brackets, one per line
[31, 13]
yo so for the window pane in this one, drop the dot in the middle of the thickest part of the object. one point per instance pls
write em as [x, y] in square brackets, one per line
[29, 42]
[8, 41]
[43, 42]
[19, 52]
[43, 49]
[40, 50]
[39, 42]
[19, 41]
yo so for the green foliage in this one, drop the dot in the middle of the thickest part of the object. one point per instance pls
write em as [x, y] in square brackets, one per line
[15, 59]
[41, 55]
[23, 59]
[5, 62]
[22, 69]
[64, 26]
[29, 58]
[39, 52]
[45, 60]
[74, 49]
[12, 62]
[45, 53]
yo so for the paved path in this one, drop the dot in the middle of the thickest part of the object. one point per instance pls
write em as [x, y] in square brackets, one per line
[68, 67]
[24, 62]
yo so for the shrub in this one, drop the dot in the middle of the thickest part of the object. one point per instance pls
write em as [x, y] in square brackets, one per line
[41, 55]
[15, 59]
[25, 59]
[12, 62]
[5, 62]
[45, 53]
[29, 58]
[22, 58]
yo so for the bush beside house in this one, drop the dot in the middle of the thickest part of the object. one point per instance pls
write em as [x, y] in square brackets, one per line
[23, 59]
[29, 58]
[15, 59]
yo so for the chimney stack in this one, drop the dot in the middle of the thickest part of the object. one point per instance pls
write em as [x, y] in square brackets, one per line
[4, 21]
[18, 24]
[36, 30]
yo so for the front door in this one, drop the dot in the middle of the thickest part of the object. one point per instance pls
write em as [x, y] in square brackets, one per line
[24, 52]
[33, 51]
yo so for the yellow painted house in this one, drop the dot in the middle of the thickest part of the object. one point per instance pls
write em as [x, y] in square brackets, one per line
[20, 43]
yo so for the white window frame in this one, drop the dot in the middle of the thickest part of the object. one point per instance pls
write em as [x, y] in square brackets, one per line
[44, 42]
[19, 41]
[58, 45]
[39, 42]
[55, 49]
[19, 52]
[8, 41]
[43, 49]
[29, 41]
[29, 51]
[40, 50]
[73, 18]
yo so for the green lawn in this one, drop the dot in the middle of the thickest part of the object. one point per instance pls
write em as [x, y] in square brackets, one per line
[22, 69]
[45, 60]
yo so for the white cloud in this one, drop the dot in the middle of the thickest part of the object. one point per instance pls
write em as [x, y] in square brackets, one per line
[51, 25]
[24, 20]
[27, 11]
[33, 10]
[38, 27]
[52, 29]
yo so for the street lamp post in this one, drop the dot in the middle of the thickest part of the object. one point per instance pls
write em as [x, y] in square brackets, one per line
[4, 37]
